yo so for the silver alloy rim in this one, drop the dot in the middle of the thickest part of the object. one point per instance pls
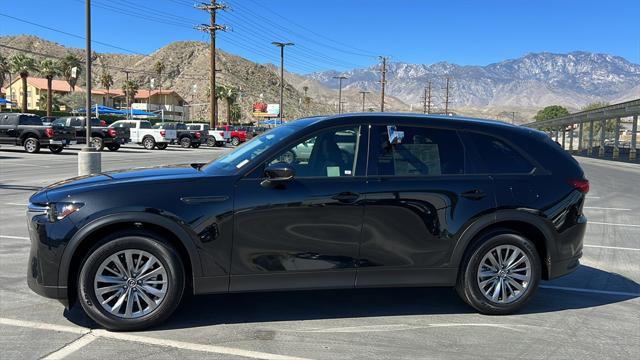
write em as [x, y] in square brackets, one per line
[130, 284]
[31, 145]
[185, 142]
[96, 143]
[148, 144]
[504, 274]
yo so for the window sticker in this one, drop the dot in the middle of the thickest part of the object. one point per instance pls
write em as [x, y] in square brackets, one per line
[333, 170]
[347, 172]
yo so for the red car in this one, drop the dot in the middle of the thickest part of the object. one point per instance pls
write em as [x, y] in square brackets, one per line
[233, 135]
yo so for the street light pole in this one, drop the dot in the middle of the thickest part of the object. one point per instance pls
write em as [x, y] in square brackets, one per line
[88, 157]
[281, 45]
[364, 93]
[340, 78]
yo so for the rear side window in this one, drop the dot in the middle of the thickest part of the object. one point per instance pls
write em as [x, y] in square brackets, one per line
[423, 151]
[145, 125]
[30, 120]
[494, 156]
[181, 127]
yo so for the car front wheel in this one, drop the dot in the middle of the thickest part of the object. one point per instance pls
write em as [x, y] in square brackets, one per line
[501, 274]
[235, 141]
[131, 282]
[185, 142]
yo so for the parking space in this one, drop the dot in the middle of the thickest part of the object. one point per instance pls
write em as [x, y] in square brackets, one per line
[592, 313]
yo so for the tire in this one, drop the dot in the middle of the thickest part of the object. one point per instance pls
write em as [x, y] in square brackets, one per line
[149, 143]
[161, 146]
[113, 147]
[56, 149]
[97, 143]
[475, 264]
[31, 145]
[211, 142]
[185, 142]
[157, 299]
[235, 141]
[195, 145]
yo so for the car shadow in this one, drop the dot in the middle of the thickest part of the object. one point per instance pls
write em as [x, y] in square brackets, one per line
[257, 307]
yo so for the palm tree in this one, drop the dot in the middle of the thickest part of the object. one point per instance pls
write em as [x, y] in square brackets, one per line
[130, 88]
[159, 69]
[22, 65]
[106, 80]
[49, 69]
[4, 69]
[55, 101]
[230, 95]
[67, 64]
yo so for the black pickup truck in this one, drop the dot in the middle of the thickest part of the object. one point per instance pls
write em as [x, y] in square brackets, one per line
[185, 137]
[27, 130]
[101, 135]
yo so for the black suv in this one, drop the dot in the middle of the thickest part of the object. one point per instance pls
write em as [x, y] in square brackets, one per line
[360, 200]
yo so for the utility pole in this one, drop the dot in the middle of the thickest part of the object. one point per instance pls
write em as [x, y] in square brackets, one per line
[446, 98]
[88, 157]
[212, 8]
[429, 99]
[513, 117]
[364, 93]
[281, 45]
[424, 102]
[383, 81]
[340, 78]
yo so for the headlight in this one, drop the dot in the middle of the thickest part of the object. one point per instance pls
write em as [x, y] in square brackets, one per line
[59, 211]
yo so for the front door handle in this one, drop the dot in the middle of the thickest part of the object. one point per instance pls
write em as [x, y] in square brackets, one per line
[346, 197]
[475, 194]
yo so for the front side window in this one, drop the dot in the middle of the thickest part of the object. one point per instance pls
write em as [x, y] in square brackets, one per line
[331, 153]
[415, 151]
[30, 120]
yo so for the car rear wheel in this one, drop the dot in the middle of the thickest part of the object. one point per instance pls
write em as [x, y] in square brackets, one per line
[113, 147]
[149, 143]
[501, 274]
[211, 142]
[97, 143]
[130, 282]
[185, 142]
[161, 146]
[31, 145]
[56, 149]
[235, 141]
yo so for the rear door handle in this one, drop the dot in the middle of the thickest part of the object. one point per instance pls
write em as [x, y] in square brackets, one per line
[475, 194]
[346, 197]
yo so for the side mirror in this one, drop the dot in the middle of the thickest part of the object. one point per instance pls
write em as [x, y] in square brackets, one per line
[277, 173]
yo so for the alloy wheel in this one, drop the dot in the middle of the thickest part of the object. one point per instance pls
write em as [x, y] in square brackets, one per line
[504, 274]
[130, 284]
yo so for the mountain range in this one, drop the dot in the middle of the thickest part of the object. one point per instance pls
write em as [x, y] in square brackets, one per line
[517, 87]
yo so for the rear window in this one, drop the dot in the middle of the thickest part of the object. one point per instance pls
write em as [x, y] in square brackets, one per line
[29, 120]
[494, 156]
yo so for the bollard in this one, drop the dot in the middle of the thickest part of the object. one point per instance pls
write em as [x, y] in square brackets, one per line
[89, 161]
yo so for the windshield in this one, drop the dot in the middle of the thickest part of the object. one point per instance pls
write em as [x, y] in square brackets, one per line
[244, 154]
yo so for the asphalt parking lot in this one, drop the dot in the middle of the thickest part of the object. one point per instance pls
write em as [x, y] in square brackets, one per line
[593, 313]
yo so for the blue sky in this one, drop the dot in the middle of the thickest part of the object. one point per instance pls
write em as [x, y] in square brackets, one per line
[331, 34]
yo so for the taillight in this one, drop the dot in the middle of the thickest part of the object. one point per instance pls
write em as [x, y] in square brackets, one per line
[48, 132]
[581, 185]
[103, 123]
[162, 133]
[112, 132]
[197, 135]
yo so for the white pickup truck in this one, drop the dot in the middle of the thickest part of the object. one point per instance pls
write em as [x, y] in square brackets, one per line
[143, 133]
[216, 137]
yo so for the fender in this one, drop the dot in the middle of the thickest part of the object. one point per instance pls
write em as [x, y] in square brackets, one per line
[523, 215]
[159, 220]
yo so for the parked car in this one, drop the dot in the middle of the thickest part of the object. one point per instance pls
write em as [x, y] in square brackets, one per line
[101, 135]
[214, 137]
[184, 136]
[233, 135]
[28, 131]
[390, 200]
[142, 133]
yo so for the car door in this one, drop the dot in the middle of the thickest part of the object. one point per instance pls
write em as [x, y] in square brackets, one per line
[5, 128]
[421, 193]
[303, 233]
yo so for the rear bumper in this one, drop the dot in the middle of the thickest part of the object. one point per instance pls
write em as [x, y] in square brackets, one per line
[565, 258]
[63, 142]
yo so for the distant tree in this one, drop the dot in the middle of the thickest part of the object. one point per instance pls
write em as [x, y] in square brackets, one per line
[130, 88]
[4, 69]
[610, 125]
[49, 69]
[22, 65]
[236, 112]
[56, 102]
[159, 69]
[551, 112]
[106, 81]
[67, 64]
[230, 95]
[73, 100]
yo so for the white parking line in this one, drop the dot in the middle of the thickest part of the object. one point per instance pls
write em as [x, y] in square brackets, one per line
[605, 208]
[594, 291]
[214, 349]
[611, 247]
[14, 237]
[72, 347]
[611, 224]
[592, 197]
[16, 204]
